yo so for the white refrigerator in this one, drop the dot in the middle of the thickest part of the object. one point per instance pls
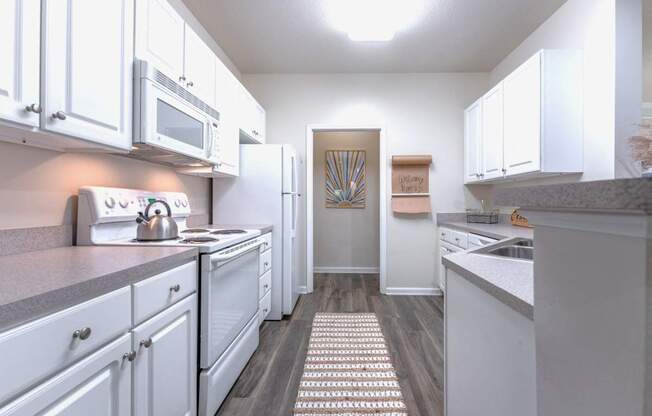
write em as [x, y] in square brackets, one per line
[266, 192]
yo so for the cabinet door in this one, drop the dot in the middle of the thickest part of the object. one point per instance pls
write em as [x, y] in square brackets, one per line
[473, 142]
[260, 117]
[522, 98]
[89, 69]
[165, 368]
[492, 133]
[98, 385]
[160, 37]
[20, 22]
[227, 101]
[199, 68]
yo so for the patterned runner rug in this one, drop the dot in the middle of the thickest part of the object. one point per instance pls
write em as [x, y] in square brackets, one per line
[348, 370]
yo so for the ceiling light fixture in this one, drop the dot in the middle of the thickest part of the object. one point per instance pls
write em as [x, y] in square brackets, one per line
[372, 20]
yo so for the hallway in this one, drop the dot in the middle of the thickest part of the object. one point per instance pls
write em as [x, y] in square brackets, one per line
[413, 327]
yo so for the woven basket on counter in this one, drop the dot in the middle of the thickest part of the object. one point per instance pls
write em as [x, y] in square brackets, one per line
[480, 217]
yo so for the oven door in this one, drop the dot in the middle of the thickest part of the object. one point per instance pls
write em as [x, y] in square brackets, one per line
[229, 298]
[171, 123]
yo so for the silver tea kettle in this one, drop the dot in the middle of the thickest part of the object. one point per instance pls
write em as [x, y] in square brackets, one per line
[158, 227]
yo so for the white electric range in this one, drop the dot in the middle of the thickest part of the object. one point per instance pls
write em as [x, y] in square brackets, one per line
[228, 278]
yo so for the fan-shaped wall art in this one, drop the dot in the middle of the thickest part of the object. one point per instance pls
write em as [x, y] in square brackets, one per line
[346, 185]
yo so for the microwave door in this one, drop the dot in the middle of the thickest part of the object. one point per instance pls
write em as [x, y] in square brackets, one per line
[172, 124]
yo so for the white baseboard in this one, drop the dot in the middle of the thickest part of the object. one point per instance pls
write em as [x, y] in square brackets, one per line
[413, 291]
[345, 270]
[303, 290]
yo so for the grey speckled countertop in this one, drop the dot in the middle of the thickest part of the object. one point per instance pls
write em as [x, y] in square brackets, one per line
[624, 195]
[510, 281]
[41, 282]
[264, 228]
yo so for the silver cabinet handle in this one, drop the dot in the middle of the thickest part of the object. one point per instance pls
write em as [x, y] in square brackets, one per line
[59, 115]
[182, 78]
[266, 264]
[265, 310]
[129, 356]
[190, 84]
[34, 108]
[146, 343]
[82, 334]
[265, 287]
[175, 288]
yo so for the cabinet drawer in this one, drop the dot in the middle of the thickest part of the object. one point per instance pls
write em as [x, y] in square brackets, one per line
[460, 239]
[264, 284]
[266, 242]
[264, 307]
[157, 293]
[33, 351]
[444, 234]
[265, 262]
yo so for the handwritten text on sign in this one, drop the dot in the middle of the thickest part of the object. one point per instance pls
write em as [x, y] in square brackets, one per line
[411, 184]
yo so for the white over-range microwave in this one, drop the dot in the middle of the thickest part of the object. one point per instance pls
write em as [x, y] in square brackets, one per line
[171, 125]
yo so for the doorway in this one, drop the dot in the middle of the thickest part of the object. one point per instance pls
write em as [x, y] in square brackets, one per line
[346, 228]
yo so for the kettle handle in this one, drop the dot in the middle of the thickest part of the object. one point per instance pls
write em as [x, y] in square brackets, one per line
[167, 206]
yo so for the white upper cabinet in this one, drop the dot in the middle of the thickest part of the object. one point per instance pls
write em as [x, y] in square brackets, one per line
[227, 100]
[19, 53]
[252, 118]
[171, 46]
[199, 68]
[532, 121]
[522, 115]
[160, 37]
[473, 142]
[88, 70]
[492, 133]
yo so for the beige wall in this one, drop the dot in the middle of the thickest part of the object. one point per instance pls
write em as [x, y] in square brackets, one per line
[346, 238]
[38, 187]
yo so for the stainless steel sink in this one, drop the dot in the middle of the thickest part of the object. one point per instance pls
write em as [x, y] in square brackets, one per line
[514, 251]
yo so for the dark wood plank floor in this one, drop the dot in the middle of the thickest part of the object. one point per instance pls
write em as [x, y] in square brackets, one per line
[413, 327]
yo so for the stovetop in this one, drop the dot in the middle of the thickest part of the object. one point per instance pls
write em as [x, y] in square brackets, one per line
[207, 240]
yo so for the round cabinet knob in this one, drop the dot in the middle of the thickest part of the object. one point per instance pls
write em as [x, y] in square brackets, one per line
[110, 202]
[124, 203]
[129, 356]
[146, 343]
[33, 108]
[175, 288]
[82, 334]
[190, 84]
[266, 286]
[60, 115]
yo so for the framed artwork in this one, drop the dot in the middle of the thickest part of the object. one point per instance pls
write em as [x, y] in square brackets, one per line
[346, 185]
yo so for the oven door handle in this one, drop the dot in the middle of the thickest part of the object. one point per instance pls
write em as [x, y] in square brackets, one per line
[219, 259]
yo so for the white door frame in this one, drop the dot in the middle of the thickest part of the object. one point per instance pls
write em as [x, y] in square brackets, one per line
[310, 136]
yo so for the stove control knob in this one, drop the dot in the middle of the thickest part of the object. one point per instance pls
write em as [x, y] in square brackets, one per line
[124, 203]
[184, 203]
[109, 202]
[177, 203]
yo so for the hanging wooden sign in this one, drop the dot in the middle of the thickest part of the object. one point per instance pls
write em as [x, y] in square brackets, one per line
[410, 184]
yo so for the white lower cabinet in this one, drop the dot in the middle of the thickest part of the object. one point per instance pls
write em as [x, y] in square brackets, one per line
[490, 363]
[165, 366]
[99, 385]
[79, 361]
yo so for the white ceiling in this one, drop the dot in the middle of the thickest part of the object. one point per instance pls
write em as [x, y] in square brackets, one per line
[293, 36]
